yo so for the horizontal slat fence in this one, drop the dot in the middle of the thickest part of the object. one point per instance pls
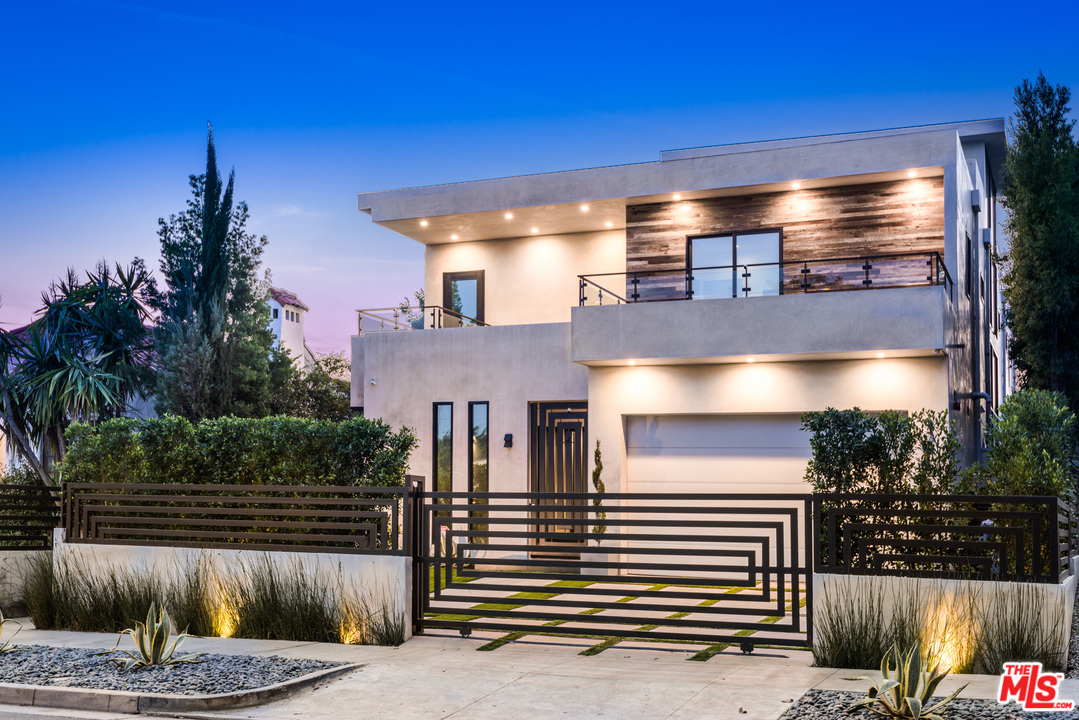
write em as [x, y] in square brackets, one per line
[28, 514]
[1009, 538]
[367, 520]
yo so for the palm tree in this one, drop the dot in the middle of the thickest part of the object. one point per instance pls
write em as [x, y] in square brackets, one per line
[84, 359]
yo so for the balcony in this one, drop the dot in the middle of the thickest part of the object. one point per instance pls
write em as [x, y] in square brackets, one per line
[397, 319]
[762, 279]
[795, 310]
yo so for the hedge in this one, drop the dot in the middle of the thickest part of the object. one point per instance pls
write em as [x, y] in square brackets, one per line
[239, 451]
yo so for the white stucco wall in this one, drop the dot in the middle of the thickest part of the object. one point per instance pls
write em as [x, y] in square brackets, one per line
[14, 565]
[744, 388]
[378, 577]
[946, 604]
[506, 366]
[530, 279]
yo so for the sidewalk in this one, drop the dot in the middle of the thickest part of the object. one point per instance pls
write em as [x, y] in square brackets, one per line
[443, 676]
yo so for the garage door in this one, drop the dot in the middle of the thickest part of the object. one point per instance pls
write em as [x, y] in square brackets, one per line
[704, 454]
[717, 453]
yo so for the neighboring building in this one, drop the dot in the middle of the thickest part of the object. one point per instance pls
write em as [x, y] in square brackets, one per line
[286, 320]
[686, 312]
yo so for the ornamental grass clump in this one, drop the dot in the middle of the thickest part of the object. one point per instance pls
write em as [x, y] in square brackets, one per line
[152, 644]
[905, 689]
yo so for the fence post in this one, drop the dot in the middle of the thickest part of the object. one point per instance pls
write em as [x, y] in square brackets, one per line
[1054, 539]
[417, 549]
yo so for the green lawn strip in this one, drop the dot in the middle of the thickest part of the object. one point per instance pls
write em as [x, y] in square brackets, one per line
[455, 618]
[454, 577]
[495, 606]
[499, 642]
[709, 652]
[570, 583]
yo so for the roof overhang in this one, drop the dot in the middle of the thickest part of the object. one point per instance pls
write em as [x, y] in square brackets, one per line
[595, 199]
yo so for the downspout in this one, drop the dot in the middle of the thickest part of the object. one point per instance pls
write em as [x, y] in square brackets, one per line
[988, 413]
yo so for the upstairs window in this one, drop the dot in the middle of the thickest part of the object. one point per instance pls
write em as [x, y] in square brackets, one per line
[462, 295]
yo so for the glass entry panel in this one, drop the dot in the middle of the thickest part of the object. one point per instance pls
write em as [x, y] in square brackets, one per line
[756, 249]
[478, 444]
[462, 297]
[716, 253]
[442, 462]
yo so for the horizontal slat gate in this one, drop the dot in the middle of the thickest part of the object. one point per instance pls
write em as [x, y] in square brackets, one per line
[718, 566]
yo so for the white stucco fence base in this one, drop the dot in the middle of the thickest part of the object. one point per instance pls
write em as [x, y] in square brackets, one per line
[13, 567]
[946, 603]
[381, 578]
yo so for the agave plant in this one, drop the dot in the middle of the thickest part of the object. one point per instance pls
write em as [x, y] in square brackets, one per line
[7, 646]
[905, 690]
[152, 641]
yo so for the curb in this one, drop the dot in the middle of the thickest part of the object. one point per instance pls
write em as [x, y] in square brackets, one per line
[69, 698]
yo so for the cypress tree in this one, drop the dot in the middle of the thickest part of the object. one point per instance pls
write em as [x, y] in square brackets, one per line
[1041, 278]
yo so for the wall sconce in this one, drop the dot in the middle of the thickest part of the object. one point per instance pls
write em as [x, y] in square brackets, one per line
[508, 440]
[372, 382]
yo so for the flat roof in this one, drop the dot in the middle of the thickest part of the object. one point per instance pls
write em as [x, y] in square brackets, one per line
[594, 199]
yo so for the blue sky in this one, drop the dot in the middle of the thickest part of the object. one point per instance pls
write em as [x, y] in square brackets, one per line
[106, 106]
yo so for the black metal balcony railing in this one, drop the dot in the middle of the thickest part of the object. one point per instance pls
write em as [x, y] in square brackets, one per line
[431, 317]
[779, 278]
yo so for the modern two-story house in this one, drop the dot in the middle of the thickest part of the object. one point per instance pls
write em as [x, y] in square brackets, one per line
[685, 312]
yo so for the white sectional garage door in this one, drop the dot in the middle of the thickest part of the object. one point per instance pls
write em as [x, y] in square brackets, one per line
[716, 453]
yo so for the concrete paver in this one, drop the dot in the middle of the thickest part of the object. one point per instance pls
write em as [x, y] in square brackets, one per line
[442, 676]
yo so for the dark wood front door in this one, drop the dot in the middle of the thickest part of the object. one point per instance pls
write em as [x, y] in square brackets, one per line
[558, 455]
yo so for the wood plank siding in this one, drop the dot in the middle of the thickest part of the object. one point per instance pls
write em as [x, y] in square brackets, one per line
[873, 219]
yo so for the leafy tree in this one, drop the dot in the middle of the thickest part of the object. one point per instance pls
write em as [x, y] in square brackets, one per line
[321, 392]
[890, 452]
[1029, 448]
[1041, 278]
[213, 336]
[85, 358]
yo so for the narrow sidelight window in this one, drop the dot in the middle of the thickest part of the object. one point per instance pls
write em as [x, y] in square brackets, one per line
[442, 462]
[478, 481]
[462, 297]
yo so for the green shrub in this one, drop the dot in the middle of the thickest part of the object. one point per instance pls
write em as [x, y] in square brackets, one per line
[1029, 448]
[889, 452]
[266, 451]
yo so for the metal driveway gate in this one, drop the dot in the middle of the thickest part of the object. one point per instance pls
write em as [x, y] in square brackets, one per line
[699, 568]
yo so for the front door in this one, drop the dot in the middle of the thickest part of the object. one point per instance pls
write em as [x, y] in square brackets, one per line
[558, 463]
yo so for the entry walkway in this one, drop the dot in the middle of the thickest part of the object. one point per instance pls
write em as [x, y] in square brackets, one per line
[444, 676]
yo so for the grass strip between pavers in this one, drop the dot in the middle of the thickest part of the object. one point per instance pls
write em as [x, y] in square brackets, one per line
[703, 655]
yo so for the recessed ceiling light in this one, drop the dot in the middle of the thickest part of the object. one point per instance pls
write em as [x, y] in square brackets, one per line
[880, 354]
[423, 223]
[912, 173]
[796, 185]
[584, 208]
[632, 362]
[609, 223]
[453, 237]
[535, 230]
[751, 359]
[677, 196]
[509, 216]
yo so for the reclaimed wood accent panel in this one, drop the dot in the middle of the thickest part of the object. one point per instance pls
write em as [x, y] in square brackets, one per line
[871, 219]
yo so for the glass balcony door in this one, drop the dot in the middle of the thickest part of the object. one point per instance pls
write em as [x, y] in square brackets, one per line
[734, 265]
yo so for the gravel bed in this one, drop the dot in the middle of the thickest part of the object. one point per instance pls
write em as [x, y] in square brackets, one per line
[87, 668]
[833, 704]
